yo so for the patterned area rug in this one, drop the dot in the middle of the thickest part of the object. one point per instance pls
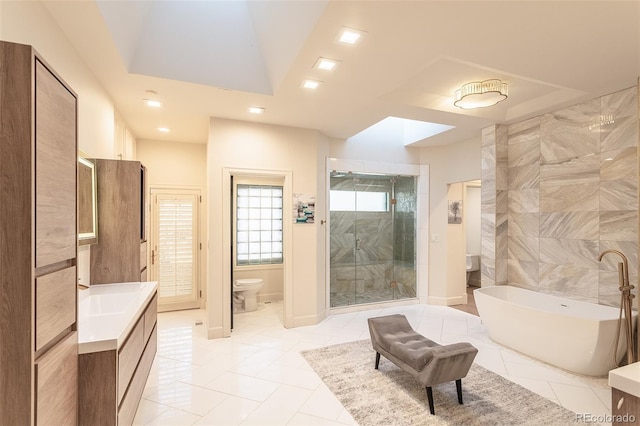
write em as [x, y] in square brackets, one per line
[389, 396]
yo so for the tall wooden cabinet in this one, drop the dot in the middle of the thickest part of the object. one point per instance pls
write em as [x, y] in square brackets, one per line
[120, 254]
[38, 242]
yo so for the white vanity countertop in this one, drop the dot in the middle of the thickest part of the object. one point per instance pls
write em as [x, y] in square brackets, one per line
[626, 379]
[107, 313]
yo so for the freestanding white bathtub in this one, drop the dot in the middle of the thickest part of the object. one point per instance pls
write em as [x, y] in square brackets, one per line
[573, 335]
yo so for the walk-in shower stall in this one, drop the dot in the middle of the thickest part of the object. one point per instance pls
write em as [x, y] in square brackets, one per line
[372, 238]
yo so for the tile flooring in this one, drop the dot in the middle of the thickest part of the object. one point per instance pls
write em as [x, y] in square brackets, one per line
[470, 307]
[258, 377]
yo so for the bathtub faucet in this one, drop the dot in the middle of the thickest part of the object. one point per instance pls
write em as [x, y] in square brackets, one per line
[623, 270]
[626, 299]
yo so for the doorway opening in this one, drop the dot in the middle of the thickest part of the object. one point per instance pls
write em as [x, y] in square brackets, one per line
[277, 277]
[257, 248]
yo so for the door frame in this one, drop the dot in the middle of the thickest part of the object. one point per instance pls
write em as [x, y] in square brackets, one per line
[287, 207]
[201, 233]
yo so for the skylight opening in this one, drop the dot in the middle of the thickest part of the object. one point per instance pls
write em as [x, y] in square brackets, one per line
[408, 131]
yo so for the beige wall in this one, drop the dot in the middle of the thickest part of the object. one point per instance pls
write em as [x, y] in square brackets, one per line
[448, 164]
[247, 148]
[388, 152]
[456, 247]
[28, 22]
[174, 163]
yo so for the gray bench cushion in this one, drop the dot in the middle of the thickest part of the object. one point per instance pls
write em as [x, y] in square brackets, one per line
[414, 353]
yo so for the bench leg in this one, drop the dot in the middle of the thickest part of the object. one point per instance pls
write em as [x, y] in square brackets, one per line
[459, 389]
[377, 359]
[430, 398]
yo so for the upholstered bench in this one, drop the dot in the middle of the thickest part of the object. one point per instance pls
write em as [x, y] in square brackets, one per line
[428, 362]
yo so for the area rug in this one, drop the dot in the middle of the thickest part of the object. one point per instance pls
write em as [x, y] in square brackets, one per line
[389, 396]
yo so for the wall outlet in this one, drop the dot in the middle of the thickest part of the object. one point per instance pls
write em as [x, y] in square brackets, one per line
[435, 238]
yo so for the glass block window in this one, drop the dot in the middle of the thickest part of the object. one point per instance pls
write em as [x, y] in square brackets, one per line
[259, 224]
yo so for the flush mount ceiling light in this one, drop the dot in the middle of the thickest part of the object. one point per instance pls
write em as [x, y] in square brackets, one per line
[326, 64]
[480, 94]
[256, 110]
[163, 129]
[349, 36]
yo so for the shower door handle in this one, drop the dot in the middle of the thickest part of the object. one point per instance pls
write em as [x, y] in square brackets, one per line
[358, 244]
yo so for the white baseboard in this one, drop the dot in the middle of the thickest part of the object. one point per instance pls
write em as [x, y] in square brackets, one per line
[215, 333]
[307, 320]
[448, 301]
[270, 297]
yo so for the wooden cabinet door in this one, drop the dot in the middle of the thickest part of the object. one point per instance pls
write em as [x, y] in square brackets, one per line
[57, 384]
[116, 256]
[55, 169]
[55, 304]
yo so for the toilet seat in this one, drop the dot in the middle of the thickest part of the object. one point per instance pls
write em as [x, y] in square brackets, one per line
[249, 281]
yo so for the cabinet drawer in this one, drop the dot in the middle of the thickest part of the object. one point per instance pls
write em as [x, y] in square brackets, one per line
[150, 317]
[130, 402]
[57, 384]
[55, 304]
[129, 356]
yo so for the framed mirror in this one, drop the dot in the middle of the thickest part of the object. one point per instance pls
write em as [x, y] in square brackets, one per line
[87, 208]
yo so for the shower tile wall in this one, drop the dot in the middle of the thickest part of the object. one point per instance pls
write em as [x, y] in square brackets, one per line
[572, 193]
[367, 275]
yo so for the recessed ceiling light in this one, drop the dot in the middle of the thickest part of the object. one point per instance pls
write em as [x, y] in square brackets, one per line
[326, 64]
[310, 84]
[349, 36]
[256, 110]
[163, 129]
[153, 103]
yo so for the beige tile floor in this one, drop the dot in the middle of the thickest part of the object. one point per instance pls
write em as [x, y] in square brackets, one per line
[258, 377]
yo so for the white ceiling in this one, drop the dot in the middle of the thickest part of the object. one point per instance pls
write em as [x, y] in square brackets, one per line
[216, 58]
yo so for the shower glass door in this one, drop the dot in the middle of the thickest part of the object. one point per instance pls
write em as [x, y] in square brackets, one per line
[372, 253]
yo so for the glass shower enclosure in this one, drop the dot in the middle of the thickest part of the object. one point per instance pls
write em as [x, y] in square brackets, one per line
[372, 238]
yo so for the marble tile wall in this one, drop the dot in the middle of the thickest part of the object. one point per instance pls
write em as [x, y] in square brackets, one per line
[494, 205]
[572, 193]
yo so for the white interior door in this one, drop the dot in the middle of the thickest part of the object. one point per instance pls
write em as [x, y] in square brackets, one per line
[175, 248]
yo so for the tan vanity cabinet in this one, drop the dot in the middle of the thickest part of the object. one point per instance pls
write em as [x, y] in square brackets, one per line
[38, 298]
[111, 381]
[117, 257]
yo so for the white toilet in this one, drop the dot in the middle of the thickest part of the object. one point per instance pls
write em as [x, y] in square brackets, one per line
[245, 294]
[473, 264]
